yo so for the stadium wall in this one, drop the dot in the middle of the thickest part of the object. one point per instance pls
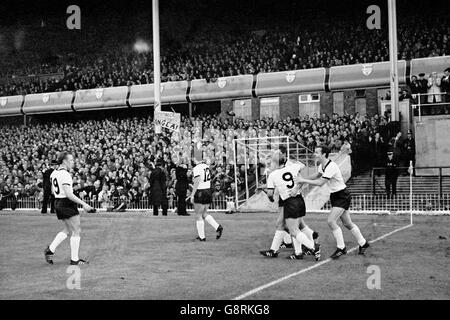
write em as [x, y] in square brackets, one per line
[289, 105]
[432, 144]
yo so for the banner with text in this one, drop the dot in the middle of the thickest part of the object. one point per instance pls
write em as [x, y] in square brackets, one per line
[169, 120]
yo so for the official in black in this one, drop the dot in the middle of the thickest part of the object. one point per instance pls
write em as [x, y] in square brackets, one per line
[47, 186]
[158, 189]
[181, 187]
[409, 145]
[391, 174]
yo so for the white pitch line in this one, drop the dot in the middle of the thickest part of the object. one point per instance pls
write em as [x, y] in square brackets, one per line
[272, 283]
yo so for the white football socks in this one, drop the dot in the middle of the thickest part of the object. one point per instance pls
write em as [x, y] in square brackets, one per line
[74, 247]
[297, 246]
[337, 233]
[308, 232]
[60, 237]
[201, 228]
[211, 221]
[357, 234]
[303, 239]
[287, 238]
[277, 240]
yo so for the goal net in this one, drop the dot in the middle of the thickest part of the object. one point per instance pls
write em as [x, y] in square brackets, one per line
[252, 161]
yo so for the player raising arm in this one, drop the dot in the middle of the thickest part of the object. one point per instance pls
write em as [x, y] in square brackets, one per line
[66, 209]
[201, 197]
[330, 174]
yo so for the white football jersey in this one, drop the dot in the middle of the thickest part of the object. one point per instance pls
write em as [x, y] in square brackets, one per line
[333, 174]
[202, 170]
[283, 179]
[59, 178]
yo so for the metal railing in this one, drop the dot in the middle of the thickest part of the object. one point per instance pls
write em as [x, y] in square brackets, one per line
[400, 203]
[33, 203]
[419, 105]
[361, 203]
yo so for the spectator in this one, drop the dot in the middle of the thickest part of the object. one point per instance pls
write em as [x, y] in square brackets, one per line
[158, 189]
[145, 188]
[104, 197]
[121, 203]
[434, 90]
[391, 174]
[377, 151]
[181, 187]
[445, 87]
[397, 146]
[113, 195]
[415, 88]
[423, 88]
[409, 146]
[171, 196]
[217, 194]
[8, 194]
[95, 191]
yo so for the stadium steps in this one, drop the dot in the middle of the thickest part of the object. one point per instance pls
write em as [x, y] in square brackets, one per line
[362, 184]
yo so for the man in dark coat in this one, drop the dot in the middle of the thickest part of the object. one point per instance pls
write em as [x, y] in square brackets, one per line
[415, 89]
[391, 174]
[423, 83]
[47, 186]
[181, 188]
[445, 87]
[378, 151]
[409, 145]
[7, 193]
[158, 189]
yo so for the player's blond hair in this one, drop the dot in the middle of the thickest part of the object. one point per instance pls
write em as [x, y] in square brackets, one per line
[277, 160]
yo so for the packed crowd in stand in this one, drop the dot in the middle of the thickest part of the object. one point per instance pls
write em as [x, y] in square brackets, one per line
[114, 158]
[210, 54]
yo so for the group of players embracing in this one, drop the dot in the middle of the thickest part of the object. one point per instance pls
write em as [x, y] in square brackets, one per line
[284, 182]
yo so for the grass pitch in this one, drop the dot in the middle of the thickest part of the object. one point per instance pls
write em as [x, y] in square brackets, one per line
[138, 256]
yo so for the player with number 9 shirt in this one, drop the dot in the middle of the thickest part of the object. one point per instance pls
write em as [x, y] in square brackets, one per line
[66, 209]
[292, 207]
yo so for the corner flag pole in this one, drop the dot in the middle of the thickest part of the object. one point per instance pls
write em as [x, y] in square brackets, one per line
[156, 61]
[392, 18]
[411, 191]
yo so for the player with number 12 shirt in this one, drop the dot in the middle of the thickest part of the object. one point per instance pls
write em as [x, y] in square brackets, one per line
[201, 197]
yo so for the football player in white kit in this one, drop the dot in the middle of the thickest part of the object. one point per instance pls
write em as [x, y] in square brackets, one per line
[293, 208]
[201, 197]
[66, 210]
[340, 198]
[311, 234]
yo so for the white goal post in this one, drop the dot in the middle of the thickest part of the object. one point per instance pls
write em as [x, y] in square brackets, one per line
[254, 153]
